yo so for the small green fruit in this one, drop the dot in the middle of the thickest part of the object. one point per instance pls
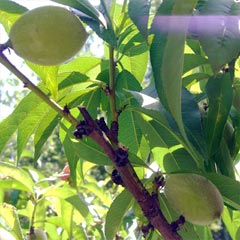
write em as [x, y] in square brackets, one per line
[47, 35]
[38, 234]
[194, 197]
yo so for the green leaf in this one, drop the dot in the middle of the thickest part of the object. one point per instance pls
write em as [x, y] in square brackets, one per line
[129, 135]
[71, 79]
[10, 124]
[157, 133]
[161, 131]
[116, 212]
[91, 101]
[98, 21]
[84, 6]
[40, 214]
[171, 160]
[106, 34]
[139, 13]
[136, 65]
[137, 161]
[47, 123]
[189, 80]
[82, 64]
[193, 123]
[229, 188]
[220, 94]
[9, 13]
[12, 184]
[66, 220]
[219, 38]
[72, 157]
[9, 216]
[99, 192]
[71, 197]
[27, 127]
[165, 147]
[48, 75]
[85, 149]
[167, 54]
[12, 7]
[192, 61]
[133, 45]
[224, 161]
[231, 221]
[19, 175]
[75, 98]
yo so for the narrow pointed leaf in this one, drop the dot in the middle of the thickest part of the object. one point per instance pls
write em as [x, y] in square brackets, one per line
[139, 13]
[70, 196]
[10, 124]
[167, 54]
[85, 7]
[224, 161]
[48, 75]
[116, 212]
[192, 123]
[9, 13]
[220, 36]
[129, 135]
[220, 94]
[46, 126]
[18, 174]
[28, 126]
[9, 216]
[136, 65]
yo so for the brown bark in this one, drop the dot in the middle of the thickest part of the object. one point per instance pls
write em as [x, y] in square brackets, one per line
[148, 203]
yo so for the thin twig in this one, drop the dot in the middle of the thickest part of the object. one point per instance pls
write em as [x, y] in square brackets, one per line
[28, 84]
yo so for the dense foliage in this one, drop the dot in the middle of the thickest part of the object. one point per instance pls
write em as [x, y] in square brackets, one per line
[164, 98]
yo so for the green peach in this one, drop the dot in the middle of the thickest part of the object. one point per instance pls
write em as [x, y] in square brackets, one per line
[194, 197]
[38, 234]
[48, 35]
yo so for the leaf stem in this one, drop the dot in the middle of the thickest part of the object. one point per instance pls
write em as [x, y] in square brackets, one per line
[27, 83]
[112, 96]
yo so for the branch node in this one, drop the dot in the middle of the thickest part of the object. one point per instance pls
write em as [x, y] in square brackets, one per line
[121, 157]
[114, 131]
[121, 109]
[102, 125]
[158, 182]
[116, 178]
[66, 110]
[107, 90]
[146, 229]
[4, 46]
[86, 115]
[82, 128]
[175, 226]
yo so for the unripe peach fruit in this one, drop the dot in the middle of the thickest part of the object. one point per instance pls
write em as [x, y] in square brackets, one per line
[48, 35]
[194, 197]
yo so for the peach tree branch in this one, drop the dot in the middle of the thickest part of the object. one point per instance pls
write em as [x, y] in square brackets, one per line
[129, 179]
[28, 84]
